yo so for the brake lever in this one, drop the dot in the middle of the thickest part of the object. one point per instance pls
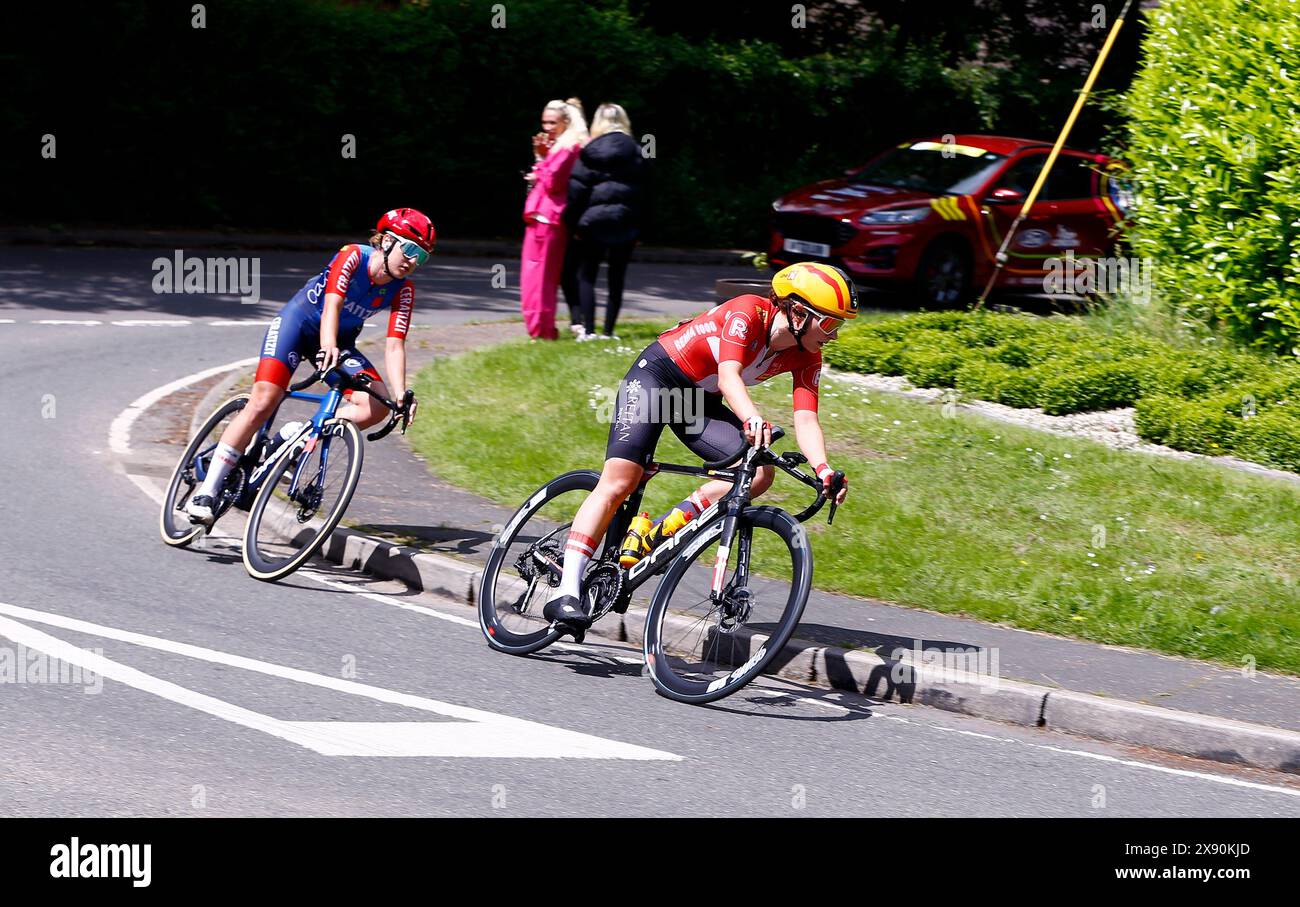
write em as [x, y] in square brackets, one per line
[837, 483]
[407, 398]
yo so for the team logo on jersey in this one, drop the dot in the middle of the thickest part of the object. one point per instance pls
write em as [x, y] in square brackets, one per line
[817, 378]
[739, 328]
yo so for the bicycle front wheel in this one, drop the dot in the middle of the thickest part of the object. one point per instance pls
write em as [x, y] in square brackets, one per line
[301, 501]
[698, 649]
[190, 471]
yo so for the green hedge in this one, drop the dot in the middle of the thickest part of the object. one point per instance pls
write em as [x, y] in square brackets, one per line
[1216, 163]
[1206, 401]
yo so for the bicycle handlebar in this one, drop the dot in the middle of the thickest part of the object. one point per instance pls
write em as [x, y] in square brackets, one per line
[361, 382]
[788, 462]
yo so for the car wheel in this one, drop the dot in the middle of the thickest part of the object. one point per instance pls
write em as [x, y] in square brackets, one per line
[943, 277]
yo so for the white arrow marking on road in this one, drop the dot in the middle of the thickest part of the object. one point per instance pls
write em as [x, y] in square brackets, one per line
[119, 433]
[64, 321]
[472, 733]
[152, 323]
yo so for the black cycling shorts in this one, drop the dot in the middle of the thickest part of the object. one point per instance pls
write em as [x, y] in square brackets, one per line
[656, 393]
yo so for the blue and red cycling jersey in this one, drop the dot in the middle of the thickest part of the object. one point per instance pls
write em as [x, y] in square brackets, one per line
[295, 332]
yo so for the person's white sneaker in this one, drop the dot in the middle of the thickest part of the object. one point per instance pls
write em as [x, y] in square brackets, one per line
[578, 330]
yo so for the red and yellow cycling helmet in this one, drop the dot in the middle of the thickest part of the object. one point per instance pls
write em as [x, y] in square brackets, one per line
[820, 286]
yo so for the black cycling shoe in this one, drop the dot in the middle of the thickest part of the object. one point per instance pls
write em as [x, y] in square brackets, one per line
[567, 615]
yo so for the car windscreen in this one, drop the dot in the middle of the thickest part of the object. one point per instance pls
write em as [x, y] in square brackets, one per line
[931, 167]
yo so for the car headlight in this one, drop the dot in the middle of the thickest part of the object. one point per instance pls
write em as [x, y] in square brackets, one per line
[895, 216]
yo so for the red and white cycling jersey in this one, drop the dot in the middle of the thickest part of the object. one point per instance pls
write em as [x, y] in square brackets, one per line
[736, 331]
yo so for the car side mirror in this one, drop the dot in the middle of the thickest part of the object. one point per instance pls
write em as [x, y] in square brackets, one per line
[1005, 196]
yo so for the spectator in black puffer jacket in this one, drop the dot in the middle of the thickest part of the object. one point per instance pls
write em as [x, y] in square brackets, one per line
[606, 203]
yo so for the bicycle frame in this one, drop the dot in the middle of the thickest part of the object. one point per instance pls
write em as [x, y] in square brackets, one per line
[327, 406]
[727, 508]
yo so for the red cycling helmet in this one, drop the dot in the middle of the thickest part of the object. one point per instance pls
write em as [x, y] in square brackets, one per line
[409, 224]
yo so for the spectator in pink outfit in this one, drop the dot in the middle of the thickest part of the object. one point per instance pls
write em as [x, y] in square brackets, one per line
[564, 131]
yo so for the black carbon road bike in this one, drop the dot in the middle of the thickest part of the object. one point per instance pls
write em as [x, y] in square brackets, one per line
[709, 630]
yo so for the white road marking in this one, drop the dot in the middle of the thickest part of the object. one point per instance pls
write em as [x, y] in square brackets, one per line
[65, 321]
[387, 600]
[119, 433]
[230, 322]
[7, 321]
[148, 322]
[1186, 773]
[472, 733]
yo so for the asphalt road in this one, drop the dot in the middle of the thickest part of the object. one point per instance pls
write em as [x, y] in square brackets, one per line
[330, 694]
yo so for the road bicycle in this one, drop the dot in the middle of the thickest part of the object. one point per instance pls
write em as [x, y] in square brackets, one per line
[295, 489]
[710, 629]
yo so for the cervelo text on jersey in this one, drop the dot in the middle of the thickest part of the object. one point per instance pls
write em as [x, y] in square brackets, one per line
[348, 274]
[737, 331]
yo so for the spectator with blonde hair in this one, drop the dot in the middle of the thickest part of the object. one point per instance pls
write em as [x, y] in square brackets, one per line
[556, 148]
[605, 207]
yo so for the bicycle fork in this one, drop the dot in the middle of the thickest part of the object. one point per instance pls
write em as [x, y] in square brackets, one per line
[730, 522]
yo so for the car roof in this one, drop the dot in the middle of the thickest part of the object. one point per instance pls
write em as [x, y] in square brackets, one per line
[1000, 144]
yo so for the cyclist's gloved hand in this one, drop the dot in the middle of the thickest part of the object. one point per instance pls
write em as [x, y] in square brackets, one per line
[327, 358]
[411, 407]
[757, 431]
[826, 474]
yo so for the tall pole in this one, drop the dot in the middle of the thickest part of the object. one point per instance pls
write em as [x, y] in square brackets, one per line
[1000, 260]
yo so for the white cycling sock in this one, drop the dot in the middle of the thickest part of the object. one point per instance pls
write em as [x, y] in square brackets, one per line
[577, 553]
[224, 459]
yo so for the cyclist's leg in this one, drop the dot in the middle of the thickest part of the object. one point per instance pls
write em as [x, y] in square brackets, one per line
[280, 357]
[633, 436]
[361, 409]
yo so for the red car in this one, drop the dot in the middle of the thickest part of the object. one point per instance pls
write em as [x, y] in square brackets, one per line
[929, 215]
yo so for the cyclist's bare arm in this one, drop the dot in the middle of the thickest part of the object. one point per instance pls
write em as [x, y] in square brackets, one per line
[329, 329]
[733, 390]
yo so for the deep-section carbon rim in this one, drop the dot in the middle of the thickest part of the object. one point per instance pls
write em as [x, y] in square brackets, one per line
[697, 650]
[174, 526]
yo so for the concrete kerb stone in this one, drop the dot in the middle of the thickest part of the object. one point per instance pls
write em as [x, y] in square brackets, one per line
[830, 667]
[1201, 736]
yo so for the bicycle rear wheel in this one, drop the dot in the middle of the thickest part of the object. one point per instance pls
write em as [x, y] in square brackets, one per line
[301, 501]
[191, 469]
[524, 567]
[699, 650]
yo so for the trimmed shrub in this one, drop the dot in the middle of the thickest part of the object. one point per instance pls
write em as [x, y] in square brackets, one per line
[998, 383]
[1271, 438]
[931, 366]
[1199, 426]
[1087, 386]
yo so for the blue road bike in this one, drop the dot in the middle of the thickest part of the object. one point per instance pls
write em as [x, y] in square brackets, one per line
[294, 489]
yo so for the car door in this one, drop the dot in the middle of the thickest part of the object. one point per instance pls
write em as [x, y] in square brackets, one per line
[1068, 219]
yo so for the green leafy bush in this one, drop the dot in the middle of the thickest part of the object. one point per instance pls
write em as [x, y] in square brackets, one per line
[1084, 386]
[998, 383]
[1216, 164]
